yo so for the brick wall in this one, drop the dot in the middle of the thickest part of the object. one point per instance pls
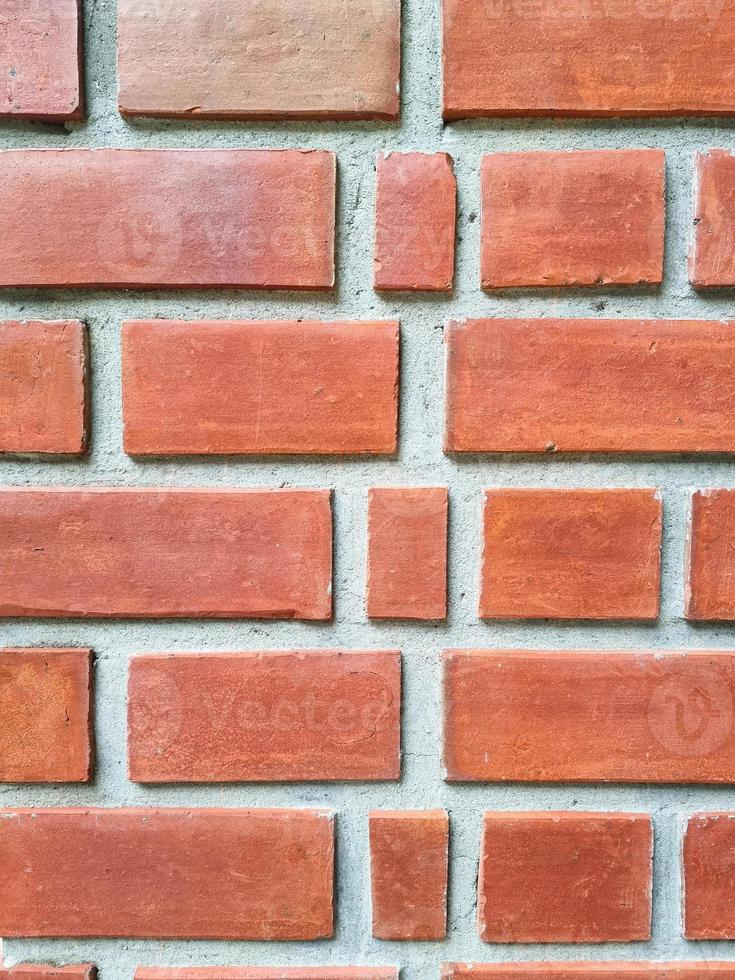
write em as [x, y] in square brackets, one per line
[367, 523]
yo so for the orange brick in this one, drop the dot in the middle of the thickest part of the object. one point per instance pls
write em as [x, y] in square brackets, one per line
[167, 218]
[257, 874]
[407, 553]
[409, 855]
[614, 386]
[260, 387]
[707, 857]
[712, 253]
[571, 554]
[587, 218]
[212, 553]
[28, 971]
[589, 716]
[565, 878]
[43, 382]
[255, 717]
[415, 222]
[589, 971]
[330, 59]
[622, 59]
[710, 572]
[41, 60]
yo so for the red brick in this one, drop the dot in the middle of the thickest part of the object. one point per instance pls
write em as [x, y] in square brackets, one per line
[407, 553]
[565, 877]
[40, 60]
[176, 218]
[28, 971]
[712, 253]
[212, 553]
[43, 382]
[415, 222]
[589, 971]
[571, 554]
[710, 566]
[708, 858]
[610, 59]
[589, 716]
[271, 973]
[255, 874]
[587, 218]
[629, 386]
[409, 855]
[298, 387]
[45, 716]
[262, 716]
[331, 59]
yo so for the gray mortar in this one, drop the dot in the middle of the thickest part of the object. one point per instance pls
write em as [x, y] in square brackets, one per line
[420, 461]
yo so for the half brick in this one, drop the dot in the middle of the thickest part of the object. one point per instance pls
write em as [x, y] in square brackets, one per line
[712, 253]
[708, 855]
[710, 565]
[30, 971]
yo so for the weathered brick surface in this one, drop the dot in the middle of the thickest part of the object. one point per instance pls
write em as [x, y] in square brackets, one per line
[30, 971]
[589, 971]
[710, 565]
[712, 252]
[707, 860]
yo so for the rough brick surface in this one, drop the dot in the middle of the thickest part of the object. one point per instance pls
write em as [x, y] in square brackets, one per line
[208, 553]
[257, 874]
[43, 382]
[178, 218]
[407, 553]
[409, 855]
[565, 877]
[712, 252]
[586, 218]
[269, 59]
[625, 59]
[589, 716]
[571, 554]
[415, 222]
[589, 971]
[258, 387]
[707, 859]
[45, 716]
[271, 973]
[710, 571]
[617, 386]
[30, 971]
[40, 60]
[281, 716]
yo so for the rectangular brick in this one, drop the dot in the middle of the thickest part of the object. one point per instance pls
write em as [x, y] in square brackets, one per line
[707, 862]
[620, 58]
[589, 716]
[259, 219]
[565, 877]
[265, 716]
[166, 553]
[330, 59]
[168, 874]
[270, 973]
[30, 971]
[613, 386]
[43, 387]
[409, 858]
[589, 971]
[415, 222]
[571, 554]
[41, 60]
[710, 564]
[45, 716]
[712, 252]
[579, 218]
[260, 387]
[407, 553]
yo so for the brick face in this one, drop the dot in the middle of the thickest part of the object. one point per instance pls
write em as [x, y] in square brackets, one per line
[710, 572]
[711, 255]
[28, 971]
[589, 971]
[707, 858]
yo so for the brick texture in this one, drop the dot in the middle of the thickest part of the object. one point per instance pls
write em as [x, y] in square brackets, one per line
[260, 387]
[586, 218]
[45, 716]
[710, 571]
[565, 877]
[331, 59]
[628, 59]
[208, 553]
[407, 553]
[712, 254]
[178, 218]
[257, 874]
[571, 554]
[589, 716]
[254, 717]
[409, 855]
[707, 859]
[614, 386]
[415, 222]
[43, 387]
[30, 971]
[589, 971]
[40, 60]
